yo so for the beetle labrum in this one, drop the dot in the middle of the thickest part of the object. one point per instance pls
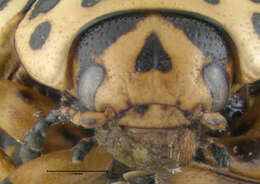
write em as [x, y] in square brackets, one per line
[149, 76]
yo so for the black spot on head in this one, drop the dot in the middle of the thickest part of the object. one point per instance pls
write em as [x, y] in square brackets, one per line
[247, 150]
[212, 1]
[28, 5]
[3, 4]
[153, 55]
[256, 22]
[97, 38]
[89, 3]
[6, 181]
[43, 6]
[203, 35]
[25, 95]
[40, 35]
[256, 1]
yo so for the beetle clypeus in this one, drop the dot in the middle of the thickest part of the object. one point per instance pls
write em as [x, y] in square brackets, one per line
[152, 77]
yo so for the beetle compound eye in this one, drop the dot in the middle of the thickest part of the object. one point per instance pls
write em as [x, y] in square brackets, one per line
[88, 84]
[93, 42]
[216, 79]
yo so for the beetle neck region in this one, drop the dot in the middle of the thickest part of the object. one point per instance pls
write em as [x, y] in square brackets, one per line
[151, 149]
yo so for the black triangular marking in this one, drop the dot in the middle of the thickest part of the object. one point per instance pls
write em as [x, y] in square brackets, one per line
[161, 60]
[144, 61]
[153, 56]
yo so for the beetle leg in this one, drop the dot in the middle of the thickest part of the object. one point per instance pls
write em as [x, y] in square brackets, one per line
[221, 155]
[33, 141]
[215, 154]
[81, 150]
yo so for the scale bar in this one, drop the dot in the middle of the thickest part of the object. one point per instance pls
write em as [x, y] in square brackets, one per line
[75, 171]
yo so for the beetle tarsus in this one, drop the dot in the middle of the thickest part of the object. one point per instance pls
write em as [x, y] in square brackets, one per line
[81, 150]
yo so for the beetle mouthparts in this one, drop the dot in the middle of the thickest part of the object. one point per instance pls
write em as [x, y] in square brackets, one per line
[151, 149]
